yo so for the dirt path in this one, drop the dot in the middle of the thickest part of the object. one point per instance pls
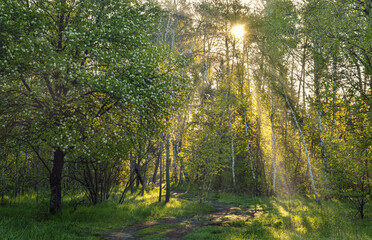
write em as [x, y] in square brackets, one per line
[177, 228]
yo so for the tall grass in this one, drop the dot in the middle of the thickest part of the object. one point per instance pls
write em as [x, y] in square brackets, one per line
[79, 220]
[295, 217]
[284, 217]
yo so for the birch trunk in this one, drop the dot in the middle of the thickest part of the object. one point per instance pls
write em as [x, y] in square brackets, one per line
[302, 76]
[174, 35]
[304, 143]
[166, 32]
[232, 153]
[195, 38]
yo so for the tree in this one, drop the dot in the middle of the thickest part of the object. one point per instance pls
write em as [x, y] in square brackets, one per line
[71, 64]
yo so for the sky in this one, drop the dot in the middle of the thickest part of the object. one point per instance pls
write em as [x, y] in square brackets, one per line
[253, 4]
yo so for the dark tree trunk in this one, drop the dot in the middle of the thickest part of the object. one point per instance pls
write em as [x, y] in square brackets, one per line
[131, 176]
[16, 187]
[160, 171]
[167, 175]
[138, 164]
[55, 180]
[37, 178]
[182, 167]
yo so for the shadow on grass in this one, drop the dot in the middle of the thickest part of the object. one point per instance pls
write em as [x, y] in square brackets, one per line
[294, 217]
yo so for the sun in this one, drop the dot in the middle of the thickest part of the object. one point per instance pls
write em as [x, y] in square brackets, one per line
[238, 31]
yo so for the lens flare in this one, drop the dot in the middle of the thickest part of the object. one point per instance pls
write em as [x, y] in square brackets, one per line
[238, 31]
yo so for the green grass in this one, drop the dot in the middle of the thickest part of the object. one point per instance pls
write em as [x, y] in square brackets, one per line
[28, 220]
[283, 218]
[156, 231]
[297, 217]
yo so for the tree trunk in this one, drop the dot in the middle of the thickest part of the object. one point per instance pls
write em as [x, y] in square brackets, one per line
[131, 174]
[174, 34]
[37, 177]
[245, 115]
[319, 109]
[303, 76]
[182, 167]
[145, 167]
[273, 141]
[232, 154]
[248, 146]
[55, 180]
[138, 164]
[304, 143]
[181, 171]
[175, 161]
[167, 175]
[156, 169]
[334, 95]
[16, 187]
[161, 170]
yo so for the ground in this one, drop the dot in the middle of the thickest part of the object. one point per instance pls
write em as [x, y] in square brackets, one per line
[223, 216]
[178, 228]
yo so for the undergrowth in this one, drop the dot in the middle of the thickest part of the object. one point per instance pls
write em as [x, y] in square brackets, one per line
[288, 217]
[283, 217]
[25, 219]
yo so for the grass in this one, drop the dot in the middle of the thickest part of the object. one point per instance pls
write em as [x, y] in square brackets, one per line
[156, 231]
[28, 220]
[297, 217]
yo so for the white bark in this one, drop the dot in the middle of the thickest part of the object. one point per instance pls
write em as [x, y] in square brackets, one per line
[174, 34]
[166, 32]
[232, 153]
[195, 38]
[304, 143]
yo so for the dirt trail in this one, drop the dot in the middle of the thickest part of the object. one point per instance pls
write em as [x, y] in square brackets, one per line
[177, 228]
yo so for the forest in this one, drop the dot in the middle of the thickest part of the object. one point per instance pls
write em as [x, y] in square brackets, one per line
[185, 119]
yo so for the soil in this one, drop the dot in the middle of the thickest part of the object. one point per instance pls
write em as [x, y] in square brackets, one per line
[223, 215]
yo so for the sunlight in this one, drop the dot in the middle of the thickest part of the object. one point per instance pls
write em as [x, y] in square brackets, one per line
[238, 31]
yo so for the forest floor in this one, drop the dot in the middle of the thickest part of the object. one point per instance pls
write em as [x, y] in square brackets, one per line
[177, 228]
[221, 216]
